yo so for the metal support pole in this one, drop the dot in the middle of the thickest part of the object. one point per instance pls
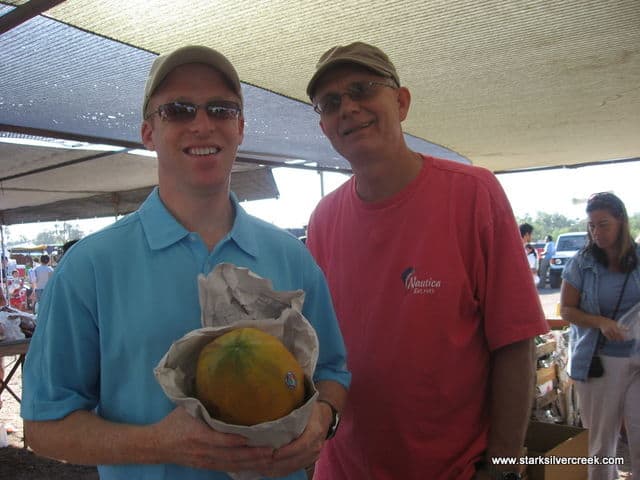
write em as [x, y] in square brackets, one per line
[3, 281]
[321, 173]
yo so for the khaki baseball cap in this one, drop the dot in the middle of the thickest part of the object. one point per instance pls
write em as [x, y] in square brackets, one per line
[166, 63]
[358, 53]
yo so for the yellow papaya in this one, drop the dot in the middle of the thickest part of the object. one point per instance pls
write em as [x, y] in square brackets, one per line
[248, 376]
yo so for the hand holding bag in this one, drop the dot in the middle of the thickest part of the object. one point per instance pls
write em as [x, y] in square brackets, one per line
[596, 369]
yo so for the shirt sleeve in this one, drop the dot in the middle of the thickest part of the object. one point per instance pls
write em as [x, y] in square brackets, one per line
[509, 299]
[61, 371]
[318, 308]
[572, 273]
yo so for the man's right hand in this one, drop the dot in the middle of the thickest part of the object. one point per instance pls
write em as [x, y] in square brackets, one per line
[184, 440]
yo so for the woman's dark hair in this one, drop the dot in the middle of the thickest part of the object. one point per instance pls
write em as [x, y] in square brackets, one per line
[627, 257]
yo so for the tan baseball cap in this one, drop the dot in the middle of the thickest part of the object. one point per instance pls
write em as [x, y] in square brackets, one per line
[358, 53]
[166, 63]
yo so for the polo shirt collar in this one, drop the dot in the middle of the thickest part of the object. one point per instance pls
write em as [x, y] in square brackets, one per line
[162, 229]
[242, 231]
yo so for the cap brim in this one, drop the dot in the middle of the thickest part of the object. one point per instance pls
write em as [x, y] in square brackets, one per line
[186, 55]
[311, 86]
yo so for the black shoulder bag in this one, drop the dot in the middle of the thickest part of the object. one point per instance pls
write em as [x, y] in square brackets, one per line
[595, 368]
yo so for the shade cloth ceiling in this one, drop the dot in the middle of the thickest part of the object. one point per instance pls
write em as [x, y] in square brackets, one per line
[45, 184]
[507, 85]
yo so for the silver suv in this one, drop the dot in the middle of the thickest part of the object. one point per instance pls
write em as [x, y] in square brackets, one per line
[567, 245]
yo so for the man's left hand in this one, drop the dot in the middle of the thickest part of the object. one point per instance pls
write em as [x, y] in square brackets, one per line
[482, 475]
[305, 449]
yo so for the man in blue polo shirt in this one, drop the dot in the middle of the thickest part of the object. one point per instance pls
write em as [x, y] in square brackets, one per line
[119, 299]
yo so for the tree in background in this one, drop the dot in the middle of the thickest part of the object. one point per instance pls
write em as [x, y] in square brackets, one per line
[554, 224]
[634, 224]
[61, 233]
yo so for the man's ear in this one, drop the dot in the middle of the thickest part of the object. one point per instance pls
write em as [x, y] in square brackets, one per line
[322, 127]
[404, 102]
[146, 132]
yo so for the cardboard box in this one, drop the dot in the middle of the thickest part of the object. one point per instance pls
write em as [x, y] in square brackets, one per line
[548, 440]
[543, 389]
[545, 348]
[545, 399]
[546, 374]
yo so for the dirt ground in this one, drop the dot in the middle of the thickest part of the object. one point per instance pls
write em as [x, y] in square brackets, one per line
[20, 463]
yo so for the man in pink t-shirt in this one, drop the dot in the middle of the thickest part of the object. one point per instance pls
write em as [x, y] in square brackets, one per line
[433, 294]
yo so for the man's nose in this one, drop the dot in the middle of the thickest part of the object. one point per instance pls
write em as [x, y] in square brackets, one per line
[347, 103]
[202, 120]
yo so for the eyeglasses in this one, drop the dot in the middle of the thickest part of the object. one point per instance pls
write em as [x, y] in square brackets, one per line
[186, 112]
[357, 91]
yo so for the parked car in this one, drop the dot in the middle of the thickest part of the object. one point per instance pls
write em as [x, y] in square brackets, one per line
[567, 245]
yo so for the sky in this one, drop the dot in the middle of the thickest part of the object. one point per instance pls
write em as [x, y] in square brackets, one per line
[565, 191]
[562, 191]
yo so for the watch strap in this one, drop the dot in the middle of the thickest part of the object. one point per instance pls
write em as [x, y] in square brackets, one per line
[496, 474]
[335, 419]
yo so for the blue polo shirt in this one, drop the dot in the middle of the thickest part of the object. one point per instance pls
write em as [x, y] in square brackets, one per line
[123, 295]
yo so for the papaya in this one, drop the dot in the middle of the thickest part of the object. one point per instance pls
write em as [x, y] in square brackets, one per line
[247, 376]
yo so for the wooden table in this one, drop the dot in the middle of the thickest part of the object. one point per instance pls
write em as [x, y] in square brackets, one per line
[8, 349]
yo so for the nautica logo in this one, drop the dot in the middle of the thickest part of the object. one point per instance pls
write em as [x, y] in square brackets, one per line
[416, 285]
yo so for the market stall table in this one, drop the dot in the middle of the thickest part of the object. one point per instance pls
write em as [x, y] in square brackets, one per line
[8, 349]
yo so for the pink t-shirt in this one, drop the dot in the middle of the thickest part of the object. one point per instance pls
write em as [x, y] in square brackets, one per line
[425, 284]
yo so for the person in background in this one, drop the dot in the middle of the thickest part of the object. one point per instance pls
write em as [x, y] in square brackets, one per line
[67, 246]
[427, 274]
[41, 275]
[545, 261]
[599, 284]
[532, 260]
[526, 234]
[123, 295]
[5, 263]
[3, 283]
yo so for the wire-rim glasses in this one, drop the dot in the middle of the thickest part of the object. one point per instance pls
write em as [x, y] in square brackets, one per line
[357, 91]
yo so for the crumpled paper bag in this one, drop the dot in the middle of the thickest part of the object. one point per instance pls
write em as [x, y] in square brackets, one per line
[232, 297]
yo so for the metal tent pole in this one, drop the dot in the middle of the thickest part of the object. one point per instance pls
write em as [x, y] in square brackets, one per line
[3, 281]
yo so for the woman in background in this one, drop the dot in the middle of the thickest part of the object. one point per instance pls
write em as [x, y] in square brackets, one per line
[601, 283]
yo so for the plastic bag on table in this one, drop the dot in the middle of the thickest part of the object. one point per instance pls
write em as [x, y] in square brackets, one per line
[630, 321]
[10, 328]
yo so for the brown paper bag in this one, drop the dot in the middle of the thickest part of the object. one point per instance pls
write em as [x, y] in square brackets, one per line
[232, 297]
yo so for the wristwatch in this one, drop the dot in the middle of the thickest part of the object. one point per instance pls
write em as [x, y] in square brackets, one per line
[496, 474]
[510, 476]
[335, 419]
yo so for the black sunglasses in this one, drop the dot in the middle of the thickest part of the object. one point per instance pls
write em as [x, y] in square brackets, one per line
[186, 112]
[357, 91]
